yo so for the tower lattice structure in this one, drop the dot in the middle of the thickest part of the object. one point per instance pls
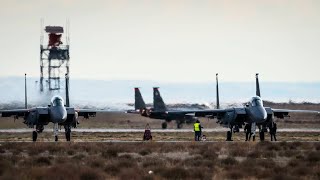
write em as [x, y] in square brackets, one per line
[54, 57]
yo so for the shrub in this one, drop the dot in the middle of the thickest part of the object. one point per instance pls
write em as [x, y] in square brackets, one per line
[109, 153]
[277, 176]
[4, 165]
[234, 174]
[152, 162]
[126, 157]
[96, 163]
[126, 164]
[272, 147]
[210, 155]
[61, 171]
[145, 152]
[79, 156]
[42, 161]
[301, 170]
[90, 174]
[71, 152]
[294, 163]
[61, 160]
[173, 173]
[196, 162]
[254, 154]
[131, 173]
[229, 161]
[112, 169]
[313, 157]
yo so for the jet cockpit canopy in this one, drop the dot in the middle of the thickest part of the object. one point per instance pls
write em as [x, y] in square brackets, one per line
[256, 101]
[57, 101]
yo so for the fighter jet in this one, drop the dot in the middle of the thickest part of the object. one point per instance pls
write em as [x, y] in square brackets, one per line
[159, 110]
[254, 113]
[59, 113]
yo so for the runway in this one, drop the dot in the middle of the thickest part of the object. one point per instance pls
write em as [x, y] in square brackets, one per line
[102, 130]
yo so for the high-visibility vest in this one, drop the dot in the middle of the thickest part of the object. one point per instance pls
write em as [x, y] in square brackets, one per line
[196, 126]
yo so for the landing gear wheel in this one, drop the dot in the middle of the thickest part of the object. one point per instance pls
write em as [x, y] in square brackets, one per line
[261, 136]
[164, 125]
[179, 125]
[68, 135]
[34, 136]
[229, 136]
[56, 138]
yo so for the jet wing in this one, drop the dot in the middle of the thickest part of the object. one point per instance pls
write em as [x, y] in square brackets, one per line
[281, 113]
[199, 113]
[16, 112]
[86, 113]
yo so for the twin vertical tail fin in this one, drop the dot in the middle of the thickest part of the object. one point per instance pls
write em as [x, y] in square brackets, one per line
[25, 92]
[217, 92]
[67, 91]
[257, 85]
[158, 103]
[138, 100]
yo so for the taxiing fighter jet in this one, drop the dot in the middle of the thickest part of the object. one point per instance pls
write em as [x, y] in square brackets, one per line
[254, 113]
[57, 112]
[159, 110]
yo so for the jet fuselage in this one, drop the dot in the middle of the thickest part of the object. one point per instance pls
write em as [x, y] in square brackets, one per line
[256, 111]
[57, 111]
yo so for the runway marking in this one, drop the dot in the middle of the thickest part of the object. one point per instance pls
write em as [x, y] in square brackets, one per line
[108, 130]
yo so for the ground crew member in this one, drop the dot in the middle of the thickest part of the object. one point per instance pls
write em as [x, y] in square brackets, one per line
[197, 130]
[273, 131]
[147, 133]
[247, 130]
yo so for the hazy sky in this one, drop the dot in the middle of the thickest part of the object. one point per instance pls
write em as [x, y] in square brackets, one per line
[169, 40]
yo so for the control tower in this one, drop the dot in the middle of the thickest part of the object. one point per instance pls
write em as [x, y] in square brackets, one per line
[54, 57]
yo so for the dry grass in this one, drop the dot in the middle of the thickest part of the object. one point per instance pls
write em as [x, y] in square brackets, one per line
[157, 136]
[218, 160]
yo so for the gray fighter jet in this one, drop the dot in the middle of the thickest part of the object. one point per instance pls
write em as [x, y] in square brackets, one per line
[159, 110]
[59, 113]
[254, 113]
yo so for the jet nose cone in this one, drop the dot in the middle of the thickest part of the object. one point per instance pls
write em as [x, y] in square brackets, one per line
[261, 115]
[59, 115]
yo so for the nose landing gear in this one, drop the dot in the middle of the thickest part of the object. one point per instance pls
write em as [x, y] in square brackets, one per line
[229, 135]
[34, 136]
[55, 131]
[67, 129]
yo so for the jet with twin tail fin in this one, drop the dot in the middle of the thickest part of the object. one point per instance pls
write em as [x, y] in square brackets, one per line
[253, 113]
[159, 110]
[58, 112]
